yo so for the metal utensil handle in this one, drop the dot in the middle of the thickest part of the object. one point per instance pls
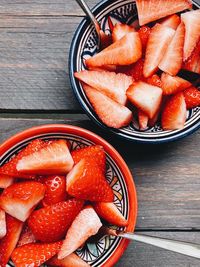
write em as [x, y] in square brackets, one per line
[88, 12]
[185, 248]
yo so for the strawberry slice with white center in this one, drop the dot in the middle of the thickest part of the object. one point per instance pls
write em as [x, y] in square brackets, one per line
[143, 120]
[191, 20]
[52, 159]
[152, 10]
[110, 112]
[174, 113]
[86, 224]
[159, 39]
[120, 30]
[72, 260]
[34, 255]
[9, 242]
[110, 213]
[171, 21]
[125, 51]
[193, 62]
[86, 181]
[109, 83]
[172, 60]
[6, 180]
[145, 97]
[20, 199]
[173, 84]
[2, 224]
[192, 97]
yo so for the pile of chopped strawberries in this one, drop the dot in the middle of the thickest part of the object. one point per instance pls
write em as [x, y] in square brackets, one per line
[51, 202]
[136, 77]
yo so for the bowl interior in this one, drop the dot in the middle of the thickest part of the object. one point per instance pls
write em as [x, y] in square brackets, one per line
[84, 45]
[108, 248]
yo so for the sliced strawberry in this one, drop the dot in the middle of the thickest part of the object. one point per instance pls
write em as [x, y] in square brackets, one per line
[55, 189]
[95, 153]
[111, 68]
[6, 180]
[152, 10]
[34, 254]
[172, 60]
[20, 199]
[173, 84]
[110, 112]
[158, 42]
[192, 97]
[52, 159]
[70, 261]
[171, 21]
[143, 120]
[26, 237]
[50, 224]
[193, 62]
[9, 242]
[145, 97]
[86, 181]
[2, 224]
[123, 52]
[10, 169]
[109, 83]
[86, 224]
[154, 80]
[110, 213]
[174, 113]
[120, 30]
[144, 33]
[135, 70]
[191, 20]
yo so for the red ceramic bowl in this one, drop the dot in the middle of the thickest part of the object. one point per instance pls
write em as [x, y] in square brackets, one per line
[109, 249]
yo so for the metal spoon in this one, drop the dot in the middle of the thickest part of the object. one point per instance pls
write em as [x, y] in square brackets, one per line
[88, 12]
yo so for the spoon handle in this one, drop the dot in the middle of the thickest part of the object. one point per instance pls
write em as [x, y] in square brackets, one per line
[88, 12]
[185, 248]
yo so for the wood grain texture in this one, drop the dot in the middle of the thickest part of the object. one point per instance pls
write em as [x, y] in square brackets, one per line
[166, 176]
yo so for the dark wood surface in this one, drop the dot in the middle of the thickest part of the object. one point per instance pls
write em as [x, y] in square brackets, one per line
[35, 38]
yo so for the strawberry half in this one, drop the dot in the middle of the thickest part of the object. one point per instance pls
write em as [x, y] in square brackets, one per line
[158, 42]
[143, 120]
[152, 10]
[192, 97]
[9, 242]
[144, 33]
[125, 51]
[110, 112]
[193, 62]
[86, 224]
[34, 254]
[72, 260]
[6, 180]
[110, 213]
[20, 199]
[172, 60]
[52, 159]
[55, 189]
[109, 83]
[174, 113]
[86, 181]
[191, 20]
[95, 153]
[145, 97]
[173, 84]
[2, 224]
[50, 224]
[171, 21]
[10, 169]
[120, 30]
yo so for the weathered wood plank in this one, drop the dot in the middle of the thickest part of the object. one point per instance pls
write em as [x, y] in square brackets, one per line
[166, 176]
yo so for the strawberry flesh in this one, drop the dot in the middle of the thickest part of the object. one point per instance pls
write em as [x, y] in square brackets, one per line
[71, 260]
[2, 224]
[192, 97]
[6, 180]
[26, 236]
[120, 30]
[171, 21]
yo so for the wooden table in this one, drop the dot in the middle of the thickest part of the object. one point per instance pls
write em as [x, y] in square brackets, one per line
[35, 37]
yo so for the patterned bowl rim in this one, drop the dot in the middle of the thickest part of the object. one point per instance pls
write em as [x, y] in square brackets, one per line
[20, 137]
[173, 135]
